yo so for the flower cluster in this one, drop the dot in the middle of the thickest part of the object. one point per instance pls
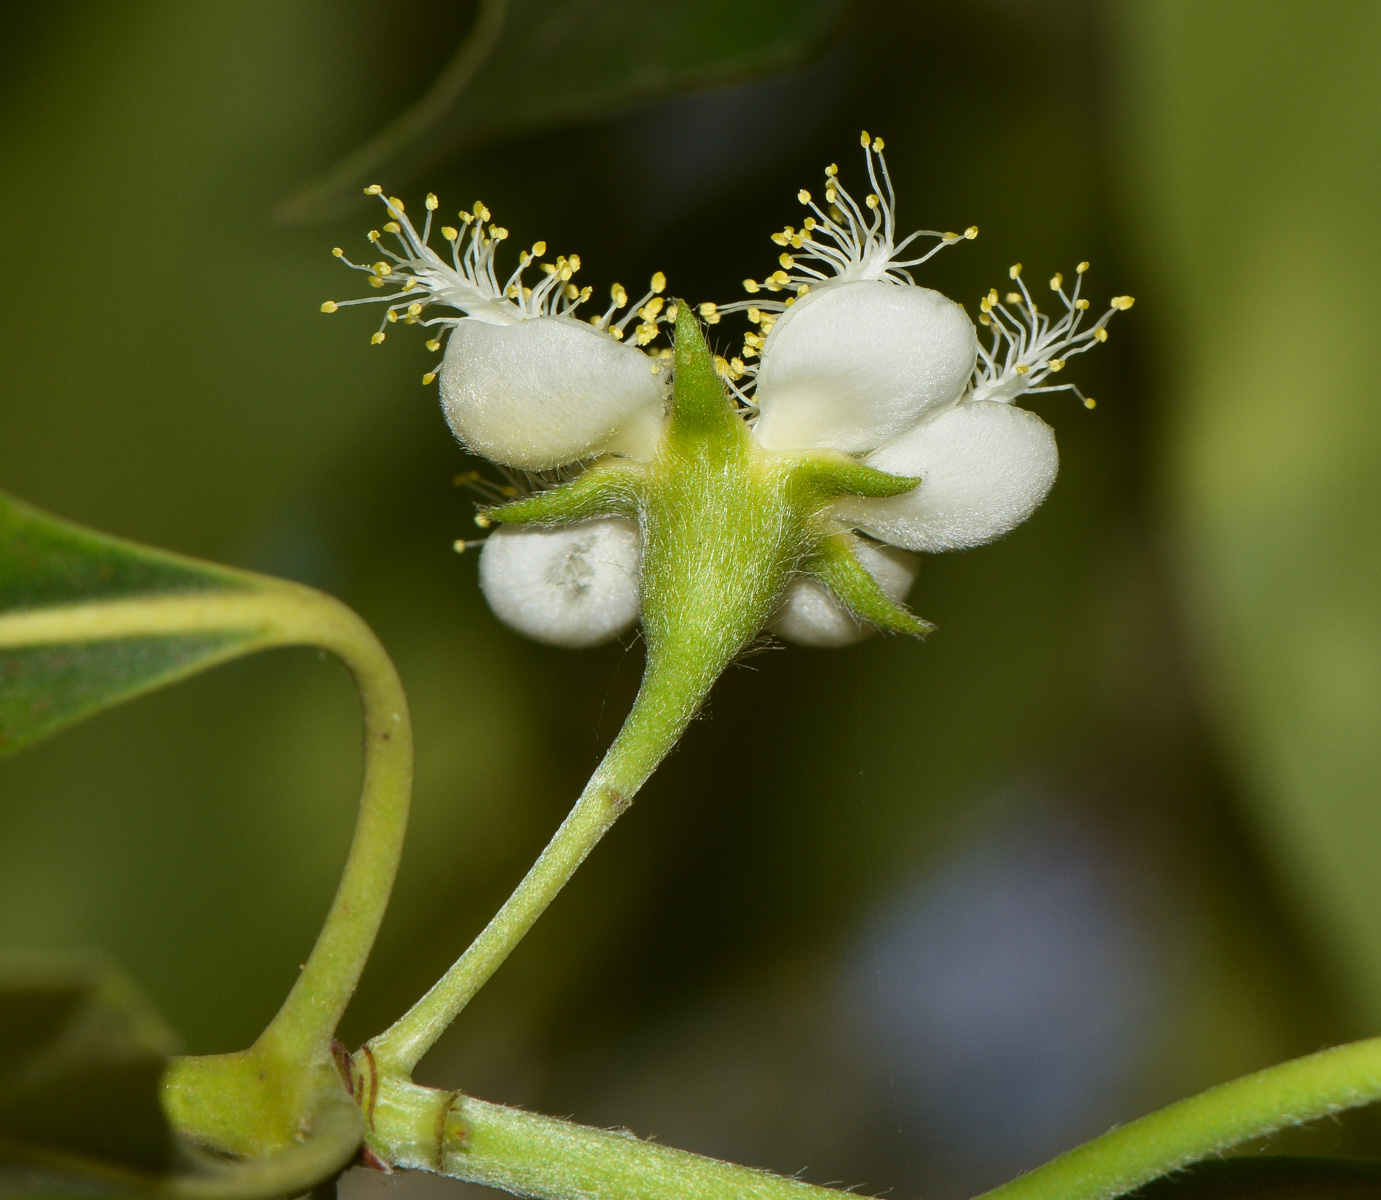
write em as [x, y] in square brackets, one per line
[848, 357]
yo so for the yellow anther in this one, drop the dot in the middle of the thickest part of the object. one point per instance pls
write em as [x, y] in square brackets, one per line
[565, 273]
[659, 283]
[1013, 297]
[459, 545]
[482, 520]
[786, 260]
[373, 190]
[538, 249]
[373, 235]
[780, 277]
[618, 295]
[376, 281]
[1090, 402]
[1101, 334]
[971, 232]
[671, 316]
[992, 295]
[1022, 369]
[337, 251]
[797, 241]
[985, 305]
[466, 218]
[434, 345]
[549, 268]
[864, 139]
[481, 213]
[803, 196]
[949, 237]
[984, 319]
[831, 195]
[329, 306]
[574, 262]
[498, 232]
[586, 293]
[873, 201]
[391, 316]
[393, 227]
[755, 315]
[432, 202]
[414, 309]
[656, 368]
[832, 170]
[750, 285]
[780, 238]
[381, 268]
[1081, 304]
[395, 204]
[803, 289]
[377, 338]
[1082, 267]
[450, 232]
[709, 312]
[1014, 270]
[649, 311]
[571, 292]
[721, 364]
[1122, 303]
[789, 301]
[1057, 364]
[878, 144]
[645, 333]
[429, 377]
[618, 333]
[1056, 282]
[736, 365]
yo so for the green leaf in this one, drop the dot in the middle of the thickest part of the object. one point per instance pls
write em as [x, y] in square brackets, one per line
[79, 1080]
[56, 664]
[529, 65]
[1270, 1177]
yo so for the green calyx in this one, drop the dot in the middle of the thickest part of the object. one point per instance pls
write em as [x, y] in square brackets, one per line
[725, 525]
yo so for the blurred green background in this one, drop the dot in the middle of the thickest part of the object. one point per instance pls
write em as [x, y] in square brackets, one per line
[902, 916]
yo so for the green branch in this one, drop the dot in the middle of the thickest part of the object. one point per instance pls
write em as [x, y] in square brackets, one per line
[1292, 1093]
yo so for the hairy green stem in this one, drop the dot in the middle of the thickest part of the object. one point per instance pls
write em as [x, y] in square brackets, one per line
[665, 704]
[1303, 1089]
[456, 1135]
[530, 1155]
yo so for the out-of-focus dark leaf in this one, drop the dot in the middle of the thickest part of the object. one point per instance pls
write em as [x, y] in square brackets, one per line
[50, 570]
[79, 1082]
[1270, 1177]
[533, 64]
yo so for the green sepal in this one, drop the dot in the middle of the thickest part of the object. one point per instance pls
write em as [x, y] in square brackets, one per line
[704, 422]
[606, 490]
[835, 564]
[830, 476]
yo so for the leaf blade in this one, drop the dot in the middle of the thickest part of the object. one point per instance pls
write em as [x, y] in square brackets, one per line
[529, 65]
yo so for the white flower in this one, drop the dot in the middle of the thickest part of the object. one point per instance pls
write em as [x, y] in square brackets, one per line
[524, 381]
[574, 586]
[850, 358]
[859, 359]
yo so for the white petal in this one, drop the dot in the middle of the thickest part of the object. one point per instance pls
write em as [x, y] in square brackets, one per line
[573, 586]
[854, 364]
[549, 391]
[984, 466]
[810, 616]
